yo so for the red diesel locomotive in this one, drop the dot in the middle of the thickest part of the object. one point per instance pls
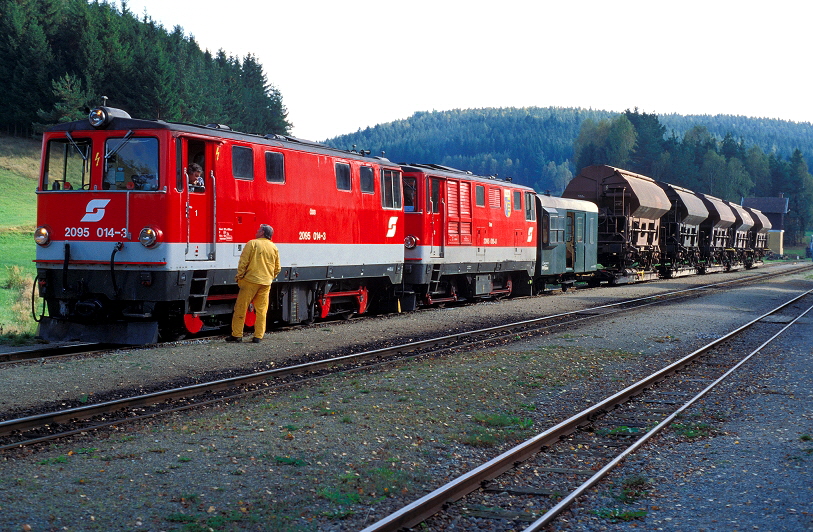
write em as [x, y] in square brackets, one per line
[128, 248]
[467, 237]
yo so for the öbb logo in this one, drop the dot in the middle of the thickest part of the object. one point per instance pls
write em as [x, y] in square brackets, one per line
[94, 211]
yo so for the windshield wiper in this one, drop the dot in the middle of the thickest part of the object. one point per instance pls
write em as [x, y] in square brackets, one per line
[124, 141]
[84, 156]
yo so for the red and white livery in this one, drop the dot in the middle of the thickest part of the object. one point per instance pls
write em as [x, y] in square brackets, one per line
[128, 249]
[467, 236]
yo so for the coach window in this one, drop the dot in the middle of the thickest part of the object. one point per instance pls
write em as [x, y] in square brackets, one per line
[390, 189]
[410, 194]
[545, 236]
[131, 164]
[242, 162]
[343, 176]
[367, 179]
[530, 207]
[480, 195]
[67, 166]
[274, 167]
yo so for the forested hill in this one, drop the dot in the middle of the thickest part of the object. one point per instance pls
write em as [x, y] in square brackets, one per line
[771, 135]
[534, 145]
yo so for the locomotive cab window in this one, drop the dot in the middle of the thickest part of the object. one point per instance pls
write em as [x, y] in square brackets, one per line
[343, 176]
[410, 194]
[367, 179]
[530, 207]
[242, 162]
[67, 165]
[517, 202]
[131, 164]
[390, 189]
[274, 167]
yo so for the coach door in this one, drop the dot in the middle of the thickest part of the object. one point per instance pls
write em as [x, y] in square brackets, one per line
[436, 208]
[574, 236]
[200, 199]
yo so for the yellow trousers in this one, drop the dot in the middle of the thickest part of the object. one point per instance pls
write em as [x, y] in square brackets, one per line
[250, 292]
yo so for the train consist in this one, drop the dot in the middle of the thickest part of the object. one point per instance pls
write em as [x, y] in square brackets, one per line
[128, 251]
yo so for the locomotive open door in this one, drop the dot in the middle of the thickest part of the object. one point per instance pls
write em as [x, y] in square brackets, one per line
[199, 198]
[436, 209]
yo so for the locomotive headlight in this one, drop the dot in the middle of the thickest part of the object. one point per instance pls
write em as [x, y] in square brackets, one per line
[410, 242]
[42, 235]
[98, 117]
[149, 236]
[101, 116]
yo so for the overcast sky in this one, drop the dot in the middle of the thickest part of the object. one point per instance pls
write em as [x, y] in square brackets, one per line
[343, 65]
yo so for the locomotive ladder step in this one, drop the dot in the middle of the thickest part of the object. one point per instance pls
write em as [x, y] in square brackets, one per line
[434, 281]
[198, 291]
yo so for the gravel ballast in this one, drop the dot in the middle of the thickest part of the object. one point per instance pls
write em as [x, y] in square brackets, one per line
[344, 451]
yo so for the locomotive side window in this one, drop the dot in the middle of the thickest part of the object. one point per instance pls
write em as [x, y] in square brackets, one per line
[367, 178]
[410, 194]
[67, 165]
[274, 167]
[242, 162]
[131, 164]
[530, 207]
[390, 189]
[517, 201]
[343, 176]
[480, 196]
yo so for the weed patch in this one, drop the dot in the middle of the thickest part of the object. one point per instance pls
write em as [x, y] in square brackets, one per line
[633, 488]
[693, 430]
[616, 515]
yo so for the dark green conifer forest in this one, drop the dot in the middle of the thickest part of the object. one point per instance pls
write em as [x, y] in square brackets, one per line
[59, 56]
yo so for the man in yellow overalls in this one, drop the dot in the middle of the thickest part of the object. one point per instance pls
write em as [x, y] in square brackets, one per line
[258, 266]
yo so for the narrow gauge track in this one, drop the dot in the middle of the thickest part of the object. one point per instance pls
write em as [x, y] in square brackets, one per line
[52, 425]
[643, 409]
[52, 352]
[90, 349]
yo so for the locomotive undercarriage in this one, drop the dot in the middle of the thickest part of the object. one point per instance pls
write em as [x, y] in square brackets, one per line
[139, 307]
[434, 284]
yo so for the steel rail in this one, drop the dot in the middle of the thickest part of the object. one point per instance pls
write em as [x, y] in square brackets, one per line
[19, 425]
[551, 514]
[11, 357]
[430, 504]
